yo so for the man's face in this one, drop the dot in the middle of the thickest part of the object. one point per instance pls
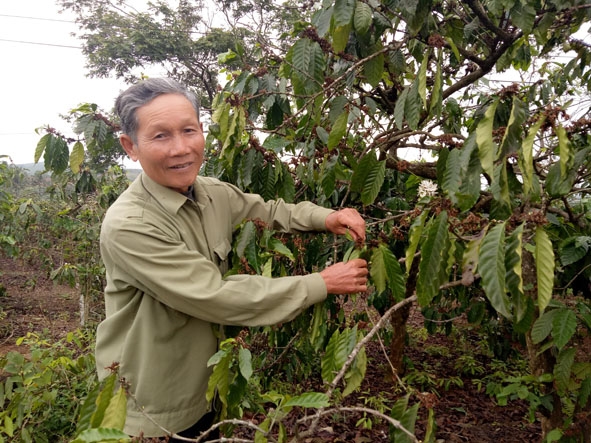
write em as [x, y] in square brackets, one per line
[170, 143]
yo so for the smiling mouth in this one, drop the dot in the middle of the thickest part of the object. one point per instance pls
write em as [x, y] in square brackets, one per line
[182, 166]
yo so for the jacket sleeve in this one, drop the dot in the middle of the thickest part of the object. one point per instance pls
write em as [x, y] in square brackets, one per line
[187, 281]
[278, 214]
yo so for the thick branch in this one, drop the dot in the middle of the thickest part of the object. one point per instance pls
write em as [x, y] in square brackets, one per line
[478, 9]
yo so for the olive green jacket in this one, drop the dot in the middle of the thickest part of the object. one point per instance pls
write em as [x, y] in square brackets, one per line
[165, 256]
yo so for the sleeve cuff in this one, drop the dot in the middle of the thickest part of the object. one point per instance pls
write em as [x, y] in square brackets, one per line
[319, 218]
[317, 288]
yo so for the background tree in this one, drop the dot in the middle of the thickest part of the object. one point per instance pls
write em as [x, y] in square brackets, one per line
[360, 104]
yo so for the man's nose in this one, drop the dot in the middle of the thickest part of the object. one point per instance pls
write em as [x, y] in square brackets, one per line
[179, 146]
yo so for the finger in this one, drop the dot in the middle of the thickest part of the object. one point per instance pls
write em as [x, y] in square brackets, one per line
[356, 233]
[358, 262]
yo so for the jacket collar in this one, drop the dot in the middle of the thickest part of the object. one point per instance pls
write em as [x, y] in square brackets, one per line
[171, 200]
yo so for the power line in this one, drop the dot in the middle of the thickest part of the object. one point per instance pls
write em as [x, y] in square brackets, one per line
[37, 18]
[39, 43]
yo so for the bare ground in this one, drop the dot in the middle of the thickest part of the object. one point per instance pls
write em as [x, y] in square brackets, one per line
[31, 302]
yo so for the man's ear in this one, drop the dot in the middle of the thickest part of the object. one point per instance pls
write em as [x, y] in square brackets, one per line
[128, 146]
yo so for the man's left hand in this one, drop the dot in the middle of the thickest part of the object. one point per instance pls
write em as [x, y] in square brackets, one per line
[347, 220]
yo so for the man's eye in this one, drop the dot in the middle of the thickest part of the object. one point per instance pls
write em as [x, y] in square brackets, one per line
[159, 136]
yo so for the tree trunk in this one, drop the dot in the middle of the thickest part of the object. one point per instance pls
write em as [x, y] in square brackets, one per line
[398, 322]
[541, 362]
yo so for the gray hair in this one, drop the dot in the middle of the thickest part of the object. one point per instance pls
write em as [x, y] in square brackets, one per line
[142, 93]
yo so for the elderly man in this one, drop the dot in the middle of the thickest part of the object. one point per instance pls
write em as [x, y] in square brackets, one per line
[165, 244]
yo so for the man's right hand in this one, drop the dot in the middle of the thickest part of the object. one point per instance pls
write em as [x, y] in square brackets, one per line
[346, 278]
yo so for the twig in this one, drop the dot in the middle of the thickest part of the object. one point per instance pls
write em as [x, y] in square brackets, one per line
[379, 325]
[351, 358]
[392, 368]
[389, 419]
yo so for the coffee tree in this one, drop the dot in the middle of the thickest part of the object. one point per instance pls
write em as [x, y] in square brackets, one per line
[460, 129]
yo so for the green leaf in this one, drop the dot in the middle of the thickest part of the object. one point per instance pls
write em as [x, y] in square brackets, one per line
[101, 435]
[308, 68]
[378, 270]
[88, 407]
[368, 178]
[219, 381]
[76, 157]
[322, 19]
[452, 175]
[566, 152]
[434, 256]
[399, 109]
[513, 134]
[116, 412]
[585, 391]
[103, 400]
[407, 418]
[328, 176]
[246, 245]
[308, 400]
[500, 185]
[564, 325]
[422, 78]
[416, 231]
[343, 12]
[56, 157]
[525, 160]
[563, 368]
[542, 327]
[469, 191]
[340, 38]
[286, 184]
[319, 326]
[356, 373]
[361, 171]
[338, 131]
[245, 363]
[373, 183]
[544, 258]
[436, 104]
[268, 268]
[8, 426]
[362, 18]
[556, 184]
[491, 265]
[277, 246]
[523, 16]
[412, 107]
[374, 68]
[574, 249]
[514, 276]
[487, 150]
[218, 356]
[41, 144]
[386, 269]
[328, 363]
[276, 144]
[470, 257]
[338, 349]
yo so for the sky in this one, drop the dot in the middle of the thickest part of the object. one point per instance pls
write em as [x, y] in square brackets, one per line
[42, 75]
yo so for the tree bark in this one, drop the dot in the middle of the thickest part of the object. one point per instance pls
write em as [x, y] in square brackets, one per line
[541, 362]
[398, 322]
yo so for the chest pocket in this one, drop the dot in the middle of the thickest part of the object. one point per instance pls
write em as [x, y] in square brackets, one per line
[222, 255]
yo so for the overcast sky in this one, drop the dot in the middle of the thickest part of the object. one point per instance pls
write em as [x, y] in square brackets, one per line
[42, 75]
